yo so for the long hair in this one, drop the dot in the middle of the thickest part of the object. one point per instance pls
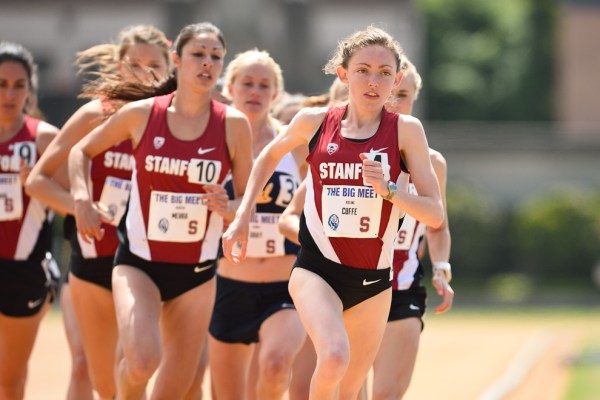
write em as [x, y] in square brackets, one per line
[132, 91]
[101, 62]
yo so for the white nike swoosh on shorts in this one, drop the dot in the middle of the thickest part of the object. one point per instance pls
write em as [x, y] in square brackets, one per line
[200, 269]
[413, 307]
[366, 282]
[34, 304]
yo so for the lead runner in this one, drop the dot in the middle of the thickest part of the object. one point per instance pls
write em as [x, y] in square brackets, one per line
[340, 283]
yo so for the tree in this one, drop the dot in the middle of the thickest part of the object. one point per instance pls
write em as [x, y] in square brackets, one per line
[489, 60]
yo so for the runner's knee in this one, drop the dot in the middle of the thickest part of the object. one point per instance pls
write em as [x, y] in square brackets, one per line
[275, 367]
[333, 362]
[142, 364]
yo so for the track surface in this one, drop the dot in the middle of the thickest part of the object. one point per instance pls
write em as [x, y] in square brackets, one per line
[463, 356]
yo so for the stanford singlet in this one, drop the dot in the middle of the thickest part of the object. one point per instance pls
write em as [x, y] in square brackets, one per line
[344, 220]
[110, 174]
[21, 218]
[408, 271]
[111, 183]
[166, 220]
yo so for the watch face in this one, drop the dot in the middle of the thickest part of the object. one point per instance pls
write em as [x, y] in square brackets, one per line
[391, 189]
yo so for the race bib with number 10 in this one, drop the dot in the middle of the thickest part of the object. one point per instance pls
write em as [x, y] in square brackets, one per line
[204, 172]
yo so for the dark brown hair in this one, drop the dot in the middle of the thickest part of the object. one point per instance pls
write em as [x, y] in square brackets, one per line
[15, 52]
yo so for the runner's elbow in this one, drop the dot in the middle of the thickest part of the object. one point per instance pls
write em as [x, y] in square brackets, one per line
[437, 218]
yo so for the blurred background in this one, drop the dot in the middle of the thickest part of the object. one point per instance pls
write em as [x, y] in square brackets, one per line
[511, 97]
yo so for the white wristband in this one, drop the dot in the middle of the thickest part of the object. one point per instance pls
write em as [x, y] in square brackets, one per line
[445, 267]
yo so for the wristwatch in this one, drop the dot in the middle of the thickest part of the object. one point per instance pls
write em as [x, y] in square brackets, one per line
[392, 189]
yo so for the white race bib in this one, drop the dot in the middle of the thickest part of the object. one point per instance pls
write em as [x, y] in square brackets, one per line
[115, 194]
[176, 217]
[25, 151]
[203, 172]
[11, 197]
[351, 211]
[287, 187]
[264, 239]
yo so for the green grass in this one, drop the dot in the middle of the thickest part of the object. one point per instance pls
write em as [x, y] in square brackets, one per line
[585, 374]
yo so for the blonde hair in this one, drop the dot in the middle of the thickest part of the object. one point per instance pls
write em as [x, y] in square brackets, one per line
[359, 40]
[253, 56]
[410, 71]
[338, 92]
[285, 103]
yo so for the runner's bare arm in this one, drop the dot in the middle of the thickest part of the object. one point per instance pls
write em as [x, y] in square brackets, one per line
[299, 132]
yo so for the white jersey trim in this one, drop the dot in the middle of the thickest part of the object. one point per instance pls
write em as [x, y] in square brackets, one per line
[406, 276]
[136, 228]
[386, 259]
[30, 229]
[210, 243]
[314, 225]
[88, 250]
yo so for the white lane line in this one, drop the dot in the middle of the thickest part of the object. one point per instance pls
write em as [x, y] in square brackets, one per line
[520, 365]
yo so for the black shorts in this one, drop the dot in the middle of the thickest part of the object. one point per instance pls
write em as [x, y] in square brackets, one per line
[24, 286]
[94, 270]
[352, 285]
[241, 308]
[407, 304]
[171, 279]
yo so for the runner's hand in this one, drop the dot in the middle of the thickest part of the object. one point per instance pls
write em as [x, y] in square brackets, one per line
[373, 174]
[104, 211]
[89, 217]
[216, 199]
[235, 240]
[443, 289]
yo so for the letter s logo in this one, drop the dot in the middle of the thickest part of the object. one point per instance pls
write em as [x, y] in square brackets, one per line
[193, 227]
[365, 224]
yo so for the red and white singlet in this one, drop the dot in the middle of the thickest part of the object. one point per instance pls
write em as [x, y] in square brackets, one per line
[407, 271]
[347, 221]
[166, 220]
[111, 183]
[21, 218]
